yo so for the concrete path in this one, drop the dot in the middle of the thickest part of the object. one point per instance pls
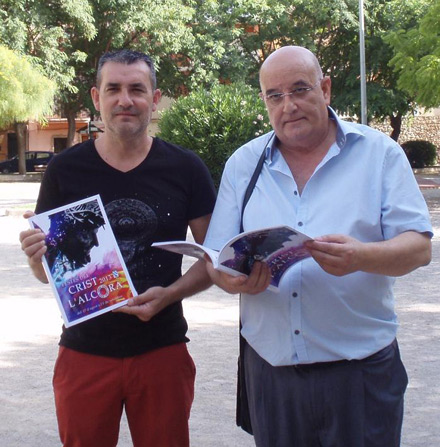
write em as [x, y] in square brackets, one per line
[30, 326]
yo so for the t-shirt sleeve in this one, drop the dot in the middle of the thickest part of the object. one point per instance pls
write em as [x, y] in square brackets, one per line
[203, 193]
[49, 194]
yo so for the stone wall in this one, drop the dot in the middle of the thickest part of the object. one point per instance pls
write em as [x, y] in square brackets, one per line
[426, 127]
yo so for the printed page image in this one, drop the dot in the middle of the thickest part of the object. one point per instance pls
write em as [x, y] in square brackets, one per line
[279, 247]
[83, 260]
[280, 261]
[257, 246]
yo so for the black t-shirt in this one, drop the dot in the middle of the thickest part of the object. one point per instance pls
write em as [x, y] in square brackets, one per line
[152, 202]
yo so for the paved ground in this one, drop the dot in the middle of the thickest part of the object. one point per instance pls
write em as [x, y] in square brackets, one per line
[30, 325]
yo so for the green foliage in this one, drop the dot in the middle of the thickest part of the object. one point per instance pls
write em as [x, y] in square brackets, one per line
[67, 37]
[417, 58]
[47, 31]
[232, 38]
[195, 43]
[157, 27]
[24, 92]
[341, 58]
[215, 123]
[420, 153]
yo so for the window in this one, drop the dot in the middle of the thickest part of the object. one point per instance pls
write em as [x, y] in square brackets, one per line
[59, 144]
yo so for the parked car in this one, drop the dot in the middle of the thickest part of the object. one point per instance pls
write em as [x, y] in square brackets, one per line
[33, 159]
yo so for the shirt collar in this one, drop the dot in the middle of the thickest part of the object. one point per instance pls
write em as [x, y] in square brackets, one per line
[344, 129]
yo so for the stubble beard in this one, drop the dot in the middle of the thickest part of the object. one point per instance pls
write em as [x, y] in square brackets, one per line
[129, 130]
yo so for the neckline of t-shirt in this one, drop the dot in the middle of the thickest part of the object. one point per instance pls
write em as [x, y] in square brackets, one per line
[151, 153]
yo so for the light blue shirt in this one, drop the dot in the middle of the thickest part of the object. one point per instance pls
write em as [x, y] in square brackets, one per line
[364, 188]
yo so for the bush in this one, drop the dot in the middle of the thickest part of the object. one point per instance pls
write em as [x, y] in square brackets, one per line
[215, 123]
[420, 153]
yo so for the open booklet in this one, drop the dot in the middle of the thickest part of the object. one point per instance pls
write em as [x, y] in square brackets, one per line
[83, 262]
[279, 247]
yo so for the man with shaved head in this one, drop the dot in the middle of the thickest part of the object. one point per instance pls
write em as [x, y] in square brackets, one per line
[321, 360]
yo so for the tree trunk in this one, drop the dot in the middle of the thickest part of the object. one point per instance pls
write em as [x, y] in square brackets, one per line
[396, 124]
[71, 127]
[20, 131]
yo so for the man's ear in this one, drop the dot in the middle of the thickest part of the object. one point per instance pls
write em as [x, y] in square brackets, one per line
[326, 86]
[94, 93]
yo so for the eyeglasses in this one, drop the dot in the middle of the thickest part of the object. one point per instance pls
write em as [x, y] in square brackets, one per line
[275, 99]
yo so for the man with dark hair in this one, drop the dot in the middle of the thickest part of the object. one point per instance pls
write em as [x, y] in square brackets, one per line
[134, 358]
[321, 360]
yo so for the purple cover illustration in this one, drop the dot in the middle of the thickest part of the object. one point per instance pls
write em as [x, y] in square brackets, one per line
[279, 247]
[83, 261]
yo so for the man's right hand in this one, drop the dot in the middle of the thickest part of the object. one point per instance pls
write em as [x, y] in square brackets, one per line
[33, 244]
[256, 282]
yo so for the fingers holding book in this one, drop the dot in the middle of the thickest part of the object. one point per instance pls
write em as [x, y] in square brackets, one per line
[146, 305]
[257, 281]
[34, 246]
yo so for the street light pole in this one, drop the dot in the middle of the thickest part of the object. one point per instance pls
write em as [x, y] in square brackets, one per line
[362, 63]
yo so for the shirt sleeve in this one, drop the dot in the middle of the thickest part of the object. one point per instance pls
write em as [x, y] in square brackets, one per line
[403, 206]
[225, 221]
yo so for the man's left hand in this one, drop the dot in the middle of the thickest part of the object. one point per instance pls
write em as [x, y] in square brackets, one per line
[337, 254]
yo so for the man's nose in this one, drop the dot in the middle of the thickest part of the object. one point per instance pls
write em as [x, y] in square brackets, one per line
[289, 103]
[124, 99]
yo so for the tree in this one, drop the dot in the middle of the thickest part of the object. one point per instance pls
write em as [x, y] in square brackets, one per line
[197, 42]
[67, 37]
[242, 33]
[24, 94]
[44, 30]
[157, 27]
[417, 58]
[342, 60]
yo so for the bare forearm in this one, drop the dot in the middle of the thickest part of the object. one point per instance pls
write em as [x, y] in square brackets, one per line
[195, 280]
[398, 256]
[340, 255]
[148, 304]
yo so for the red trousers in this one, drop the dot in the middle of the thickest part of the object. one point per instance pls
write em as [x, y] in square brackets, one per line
[156, 389]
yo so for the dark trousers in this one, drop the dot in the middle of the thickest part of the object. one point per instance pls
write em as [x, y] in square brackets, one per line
[355, 403]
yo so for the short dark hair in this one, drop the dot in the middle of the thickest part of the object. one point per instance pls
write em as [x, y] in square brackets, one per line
[126, 57]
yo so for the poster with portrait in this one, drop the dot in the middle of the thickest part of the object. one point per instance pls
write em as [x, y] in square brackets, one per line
[83, 262]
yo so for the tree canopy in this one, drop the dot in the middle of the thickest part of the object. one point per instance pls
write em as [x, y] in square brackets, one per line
[417, 58]
[67, 37]
[232, 38]
[25, 93]
[196, 43]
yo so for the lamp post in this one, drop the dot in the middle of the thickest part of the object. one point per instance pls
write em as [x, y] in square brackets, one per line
[362, 63]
